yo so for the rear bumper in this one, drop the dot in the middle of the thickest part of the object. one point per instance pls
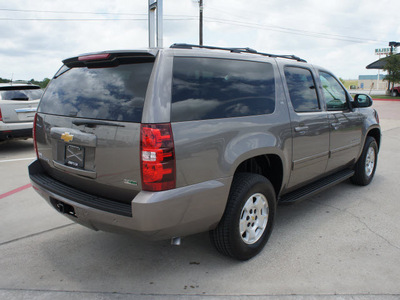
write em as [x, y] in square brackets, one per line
[152, 215]
[15, 130]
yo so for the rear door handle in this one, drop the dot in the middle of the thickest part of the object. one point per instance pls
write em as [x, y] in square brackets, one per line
[335, 126]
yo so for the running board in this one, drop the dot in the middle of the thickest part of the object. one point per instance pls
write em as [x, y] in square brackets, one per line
[316, 187]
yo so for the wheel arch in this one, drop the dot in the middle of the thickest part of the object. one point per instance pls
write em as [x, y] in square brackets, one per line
[376, 134]
[267, 165]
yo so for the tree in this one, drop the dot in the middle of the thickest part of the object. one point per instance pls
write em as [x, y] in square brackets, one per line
[392, 66]
[42, 83]
[45, 82]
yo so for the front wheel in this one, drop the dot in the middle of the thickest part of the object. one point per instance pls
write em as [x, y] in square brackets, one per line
[395, 93]
[366, 164]
[248, 218]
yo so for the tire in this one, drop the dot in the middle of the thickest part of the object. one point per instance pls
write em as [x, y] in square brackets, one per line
[395, 93]
[366, 164]
[248, 219]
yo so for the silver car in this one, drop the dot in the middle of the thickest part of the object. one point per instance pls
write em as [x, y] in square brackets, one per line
[18, 104]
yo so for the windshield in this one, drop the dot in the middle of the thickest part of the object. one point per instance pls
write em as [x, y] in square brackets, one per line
[115, 93]
[21, 94]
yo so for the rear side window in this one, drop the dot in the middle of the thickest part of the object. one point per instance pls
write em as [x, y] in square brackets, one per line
[302, 91]
[208, 88]
[115, 94]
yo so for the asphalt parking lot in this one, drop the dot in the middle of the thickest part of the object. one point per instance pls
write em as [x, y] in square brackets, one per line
[341, 244]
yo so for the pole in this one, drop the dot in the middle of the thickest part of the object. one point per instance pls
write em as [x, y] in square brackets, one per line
[155, 23]
[391, 52]
[377, 80]
[160, 32]
[152, 23]
[201, 23]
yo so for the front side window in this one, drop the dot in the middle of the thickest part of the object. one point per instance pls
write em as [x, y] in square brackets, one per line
[209, 88]
[302, 91]
[334, 94]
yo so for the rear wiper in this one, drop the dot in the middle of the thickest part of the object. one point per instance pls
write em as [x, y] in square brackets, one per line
[94, 123]
[20, 98]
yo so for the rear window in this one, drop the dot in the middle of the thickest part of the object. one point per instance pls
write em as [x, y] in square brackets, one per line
[115, 94]
[208, 88]
[23, 95]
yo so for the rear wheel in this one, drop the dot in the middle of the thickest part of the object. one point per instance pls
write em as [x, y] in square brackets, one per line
[248, 219]
[395, 93]
[366, 164]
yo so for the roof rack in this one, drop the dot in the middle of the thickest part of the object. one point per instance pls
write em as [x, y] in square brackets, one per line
[236, 50]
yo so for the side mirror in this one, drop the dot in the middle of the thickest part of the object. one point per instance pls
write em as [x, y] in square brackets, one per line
[362, 100]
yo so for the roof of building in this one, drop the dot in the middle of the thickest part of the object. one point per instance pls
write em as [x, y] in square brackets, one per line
[379, 64]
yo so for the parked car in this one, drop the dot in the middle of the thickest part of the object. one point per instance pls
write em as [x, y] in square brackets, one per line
[18, 104]
[165, 143]
[395, 92]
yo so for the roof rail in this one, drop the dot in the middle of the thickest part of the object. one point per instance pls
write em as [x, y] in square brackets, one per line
[236, 50]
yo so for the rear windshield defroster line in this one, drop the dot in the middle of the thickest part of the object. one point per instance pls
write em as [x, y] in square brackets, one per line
[114, 94]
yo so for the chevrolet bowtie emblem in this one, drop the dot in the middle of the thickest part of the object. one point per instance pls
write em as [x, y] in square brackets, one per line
[67, 137]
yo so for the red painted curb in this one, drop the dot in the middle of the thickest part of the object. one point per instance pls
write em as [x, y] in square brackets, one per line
[27, 186]
[398, 100]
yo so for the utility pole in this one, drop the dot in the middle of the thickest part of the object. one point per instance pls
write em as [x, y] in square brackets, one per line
[201, 23]
[392, 45]
[155, 23]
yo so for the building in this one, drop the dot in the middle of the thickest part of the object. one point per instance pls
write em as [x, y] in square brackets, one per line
[371, 82]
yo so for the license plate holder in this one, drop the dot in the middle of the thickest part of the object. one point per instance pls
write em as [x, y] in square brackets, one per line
[74, 156]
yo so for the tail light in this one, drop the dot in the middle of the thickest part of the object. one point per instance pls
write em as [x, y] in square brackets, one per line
[34, 135]
[100, 56]
[157, 157]
[1, 116]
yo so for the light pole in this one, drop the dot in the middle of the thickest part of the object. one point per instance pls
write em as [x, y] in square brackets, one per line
[392, 45]
[201, 23]
[155, 13]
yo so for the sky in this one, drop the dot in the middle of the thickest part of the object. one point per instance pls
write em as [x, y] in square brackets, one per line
[340, 35]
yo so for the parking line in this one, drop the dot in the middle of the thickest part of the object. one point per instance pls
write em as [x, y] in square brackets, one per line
[17, 159]
[21, 188]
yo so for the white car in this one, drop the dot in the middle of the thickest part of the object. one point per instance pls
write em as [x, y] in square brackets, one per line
[18, 104]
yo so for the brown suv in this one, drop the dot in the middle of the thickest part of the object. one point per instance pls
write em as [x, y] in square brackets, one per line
[170, 142]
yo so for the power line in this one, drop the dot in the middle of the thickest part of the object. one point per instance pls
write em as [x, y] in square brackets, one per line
[294, 31]
[85, 20]
[285, 29]
[70, 12]
[187, 18]
[73, 20]
[81, 12]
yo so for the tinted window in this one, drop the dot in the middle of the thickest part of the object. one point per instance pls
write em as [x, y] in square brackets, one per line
[21, 94]
[206, 88]
[334, 94]
[100, 93]
[302, 91]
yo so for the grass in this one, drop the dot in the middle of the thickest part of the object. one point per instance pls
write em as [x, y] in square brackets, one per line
[384, 97]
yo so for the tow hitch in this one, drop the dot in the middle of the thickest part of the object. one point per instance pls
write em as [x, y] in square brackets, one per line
[63, 208]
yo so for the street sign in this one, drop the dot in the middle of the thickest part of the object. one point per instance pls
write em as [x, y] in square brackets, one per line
[384, 51]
